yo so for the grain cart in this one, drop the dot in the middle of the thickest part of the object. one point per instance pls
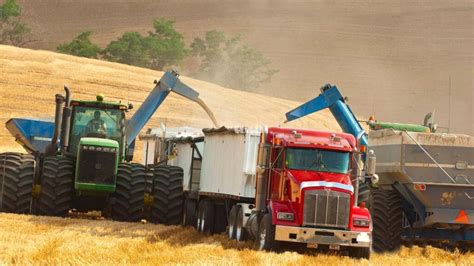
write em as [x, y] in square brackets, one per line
[82, 160]
[425, 193]
[276, 186]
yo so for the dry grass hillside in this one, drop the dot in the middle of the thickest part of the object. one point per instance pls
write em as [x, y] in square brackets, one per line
[45, 240]
[395, 59]
[30, 79]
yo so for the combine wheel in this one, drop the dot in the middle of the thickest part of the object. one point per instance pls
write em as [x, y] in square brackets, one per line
[266, 234]
[205, 221]
[17, 172]
[168, 195]
[56, 186]
[240, 232]
[129, 193]
[189, 212]
[386, 208]
[231, 231]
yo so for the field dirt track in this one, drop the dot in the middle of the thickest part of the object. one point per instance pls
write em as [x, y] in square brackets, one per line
[47, 240]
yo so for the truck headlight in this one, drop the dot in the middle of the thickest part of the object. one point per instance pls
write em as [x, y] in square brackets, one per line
[285, 216]
[361, 222]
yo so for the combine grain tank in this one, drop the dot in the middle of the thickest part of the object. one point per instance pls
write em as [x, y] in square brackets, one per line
[426, 188]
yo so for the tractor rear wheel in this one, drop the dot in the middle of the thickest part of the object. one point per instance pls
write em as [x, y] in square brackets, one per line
[386, 208]
[17, 173]
[129, 193]
[56, 186]
[168, 195]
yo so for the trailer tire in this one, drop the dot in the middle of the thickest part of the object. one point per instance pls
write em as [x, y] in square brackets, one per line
[240, 231]
[266, 234]
[189, 213]
[56, 186]
[205, 221]
[17, 174]
[359, 253]
[231, 231]
[386, 208]
[168, 195]
[129, 193]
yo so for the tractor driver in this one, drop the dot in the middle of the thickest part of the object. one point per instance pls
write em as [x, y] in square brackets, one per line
[96, 125]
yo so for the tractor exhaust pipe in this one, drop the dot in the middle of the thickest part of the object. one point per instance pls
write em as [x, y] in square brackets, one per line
[261, 190]
[66, 121]
[52, 148]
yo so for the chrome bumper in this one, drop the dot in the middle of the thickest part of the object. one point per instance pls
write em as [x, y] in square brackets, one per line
[317, 236]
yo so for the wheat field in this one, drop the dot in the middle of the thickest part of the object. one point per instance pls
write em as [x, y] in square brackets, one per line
[48, 240]
[28, 81]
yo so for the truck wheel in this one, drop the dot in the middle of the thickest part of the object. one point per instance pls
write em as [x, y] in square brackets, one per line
[56, 186]
[359, 253]
[220, 219]
[240, 231]
[17, 173]
[386, 208]
[168, 195]
[233, 222]
[129, 193]
[206, 217]
[266, 234]
[189, 213]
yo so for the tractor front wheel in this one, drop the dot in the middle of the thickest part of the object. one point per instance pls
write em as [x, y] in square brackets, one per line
[129, 193]
[17, 173]
[56, 186]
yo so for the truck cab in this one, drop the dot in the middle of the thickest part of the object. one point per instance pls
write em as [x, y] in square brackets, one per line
[310, 193]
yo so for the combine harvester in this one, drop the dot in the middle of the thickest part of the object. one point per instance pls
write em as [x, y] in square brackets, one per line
[275, 185]
[82, 160]
[424, 191]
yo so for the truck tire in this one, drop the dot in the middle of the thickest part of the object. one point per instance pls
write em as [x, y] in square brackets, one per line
[168, 195]
[189, 213]
[205, 221]
[231, 231]
[386, 208]
[240, 231]
[56, 186]
[359, 253]
[266, 234]
[17, 173]
[220, 219]
[129, 193]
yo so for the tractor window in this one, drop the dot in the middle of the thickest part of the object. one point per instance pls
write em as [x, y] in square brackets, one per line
[94, 122]
[317, 160]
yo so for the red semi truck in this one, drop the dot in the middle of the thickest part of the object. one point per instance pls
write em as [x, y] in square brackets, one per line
[274, 185]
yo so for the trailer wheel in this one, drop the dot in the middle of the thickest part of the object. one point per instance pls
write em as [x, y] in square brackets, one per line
[266, 234]
[17, 173]
[386, 208]
[168, 195]
[240, 232]
[189, 212]
[129, 193]
[56, 186]
[359, 253]
[231, 232]
[206, 217]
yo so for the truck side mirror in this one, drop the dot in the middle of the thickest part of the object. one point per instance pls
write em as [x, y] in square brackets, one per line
[371, 163]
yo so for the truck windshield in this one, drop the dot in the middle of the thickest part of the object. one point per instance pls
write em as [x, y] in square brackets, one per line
[317, 160]
[95, 122]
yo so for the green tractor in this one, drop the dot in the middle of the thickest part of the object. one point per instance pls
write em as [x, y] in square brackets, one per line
[83, 161]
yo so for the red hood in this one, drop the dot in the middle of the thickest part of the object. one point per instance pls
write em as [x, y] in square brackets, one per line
[299, 176]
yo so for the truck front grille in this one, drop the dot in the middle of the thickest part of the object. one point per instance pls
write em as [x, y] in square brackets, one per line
[326, 208]
[96, 167]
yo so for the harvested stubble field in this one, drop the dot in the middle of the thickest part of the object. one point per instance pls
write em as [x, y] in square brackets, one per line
[30, 239]
[28, 81]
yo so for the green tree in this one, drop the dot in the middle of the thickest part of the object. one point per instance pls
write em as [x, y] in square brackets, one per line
[229, 62]
[12, 30]
[81, 45]
[129, 49]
